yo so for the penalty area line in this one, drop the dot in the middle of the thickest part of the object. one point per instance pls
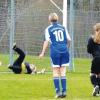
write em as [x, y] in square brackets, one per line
[5, 72]
[9, 72]
[25, 79]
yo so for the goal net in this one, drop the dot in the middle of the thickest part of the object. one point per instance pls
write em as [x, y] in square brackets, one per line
[31, 18]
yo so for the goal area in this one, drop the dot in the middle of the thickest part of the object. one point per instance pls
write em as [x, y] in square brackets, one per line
[30, 18]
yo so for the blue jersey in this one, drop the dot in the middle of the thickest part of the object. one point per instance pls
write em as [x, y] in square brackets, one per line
[57, 35]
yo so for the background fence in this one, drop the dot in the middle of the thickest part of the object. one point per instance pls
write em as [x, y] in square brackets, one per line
[31, 18]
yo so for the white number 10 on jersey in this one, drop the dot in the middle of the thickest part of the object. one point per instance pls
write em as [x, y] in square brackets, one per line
[59, 35]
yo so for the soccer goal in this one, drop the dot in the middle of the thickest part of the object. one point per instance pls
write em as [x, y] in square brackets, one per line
[34, 15]
[24, 21]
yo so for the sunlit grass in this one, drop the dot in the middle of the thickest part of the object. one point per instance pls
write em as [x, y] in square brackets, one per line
[40, 87]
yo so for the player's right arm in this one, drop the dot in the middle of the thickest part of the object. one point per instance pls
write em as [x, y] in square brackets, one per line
[45, 44]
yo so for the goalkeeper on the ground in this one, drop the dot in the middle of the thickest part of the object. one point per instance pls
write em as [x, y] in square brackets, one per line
[19, 66]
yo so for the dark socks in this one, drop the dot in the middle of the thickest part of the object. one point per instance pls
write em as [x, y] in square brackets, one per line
[98, 80]
[93, 80]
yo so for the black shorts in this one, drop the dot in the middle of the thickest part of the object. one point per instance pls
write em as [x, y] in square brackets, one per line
[95, 67]
[17, 69]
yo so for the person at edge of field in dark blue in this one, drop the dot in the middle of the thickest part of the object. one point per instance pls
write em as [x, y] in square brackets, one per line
[59, 40]
[19, 66]
[93, 47]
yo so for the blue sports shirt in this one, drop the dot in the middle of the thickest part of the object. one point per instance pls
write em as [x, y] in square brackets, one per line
[57, 35]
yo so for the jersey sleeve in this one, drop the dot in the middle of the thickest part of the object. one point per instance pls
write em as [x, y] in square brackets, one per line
[67, 34]
[47, 36]
[90, 45]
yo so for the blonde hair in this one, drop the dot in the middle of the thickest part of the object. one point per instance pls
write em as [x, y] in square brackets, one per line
[96, 36]
[53, 17]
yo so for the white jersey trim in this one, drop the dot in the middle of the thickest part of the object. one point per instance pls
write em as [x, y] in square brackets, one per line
[64, 65]
[47, 36]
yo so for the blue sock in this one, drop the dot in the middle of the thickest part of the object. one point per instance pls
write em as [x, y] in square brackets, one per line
[57, 84]
[63, 84]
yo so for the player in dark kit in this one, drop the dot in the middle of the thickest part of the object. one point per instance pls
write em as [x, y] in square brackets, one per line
[19, 66]
[93, 48]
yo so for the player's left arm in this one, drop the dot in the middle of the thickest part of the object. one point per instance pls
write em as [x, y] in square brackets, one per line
[90, 45]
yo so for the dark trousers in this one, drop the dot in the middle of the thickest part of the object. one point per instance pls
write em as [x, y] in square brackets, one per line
[18, 62]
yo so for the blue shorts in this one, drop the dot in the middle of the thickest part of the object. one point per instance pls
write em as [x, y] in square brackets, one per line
[59, 59]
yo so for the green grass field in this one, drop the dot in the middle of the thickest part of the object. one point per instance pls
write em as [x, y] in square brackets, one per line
[40, 87]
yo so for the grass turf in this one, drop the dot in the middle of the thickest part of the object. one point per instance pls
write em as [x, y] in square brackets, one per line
[40, 87]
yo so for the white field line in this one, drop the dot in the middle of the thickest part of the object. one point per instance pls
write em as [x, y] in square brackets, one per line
[10, 72]
[5, 72]
[24, 79]
[21, 79]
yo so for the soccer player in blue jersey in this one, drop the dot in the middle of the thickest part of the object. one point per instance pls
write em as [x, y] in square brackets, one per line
[59, 40]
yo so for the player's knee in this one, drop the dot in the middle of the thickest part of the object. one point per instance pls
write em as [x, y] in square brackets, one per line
[56, 72]
[63, 73]
[98, 75]
[55, 75]
[93, 75]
